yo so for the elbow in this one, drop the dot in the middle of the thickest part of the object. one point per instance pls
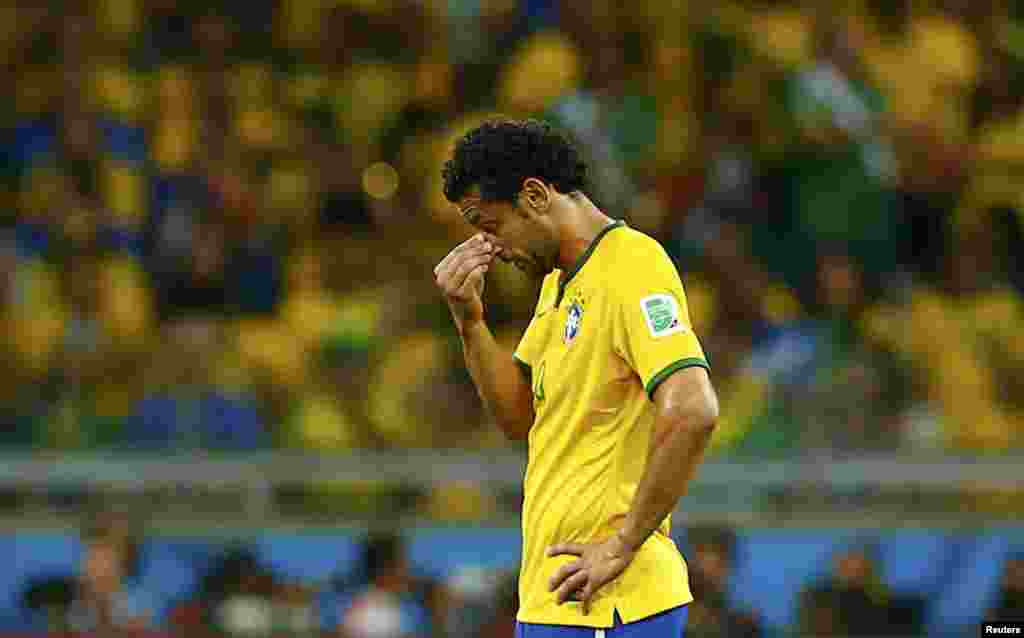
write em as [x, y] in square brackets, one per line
[709, 416]
[700, 418]
[709, 424]
[515, 430]
[516, 434]
[703, 421]
[516, 427]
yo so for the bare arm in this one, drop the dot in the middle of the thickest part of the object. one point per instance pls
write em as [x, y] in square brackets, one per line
[687, 410]
[501, 384]
[686, 414]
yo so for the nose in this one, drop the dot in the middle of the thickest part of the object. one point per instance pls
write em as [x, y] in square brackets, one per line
[504, 254]
[499, 251]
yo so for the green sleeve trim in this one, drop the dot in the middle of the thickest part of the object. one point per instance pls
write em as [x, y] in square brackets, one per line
[524, 366]
[656, 380]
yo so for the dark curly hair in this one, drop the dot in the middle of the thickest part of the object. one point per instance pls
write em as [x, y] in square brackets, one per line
[499, 155]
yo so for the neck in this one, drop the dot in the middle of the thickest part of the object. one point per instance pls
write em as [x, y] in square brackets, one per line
[582, 223]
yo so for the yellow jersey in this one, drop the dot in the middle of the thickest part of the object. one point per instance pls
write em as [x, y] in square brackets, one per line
[601, 340]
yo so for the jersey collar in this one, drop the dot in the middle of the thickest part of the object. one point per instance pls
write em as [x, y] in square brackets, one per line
[584, 257]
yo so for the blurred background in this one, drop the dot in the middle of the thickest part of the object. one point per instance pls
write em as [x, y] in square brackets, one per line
[233, 403]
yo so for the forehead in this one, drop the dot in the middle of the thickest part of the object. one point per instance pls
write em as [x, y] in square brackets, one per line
[474, 208]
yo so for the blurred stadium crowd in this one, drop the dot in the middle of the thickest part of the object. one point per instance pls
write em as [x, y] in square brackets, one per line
[220, 219]
[234, 590]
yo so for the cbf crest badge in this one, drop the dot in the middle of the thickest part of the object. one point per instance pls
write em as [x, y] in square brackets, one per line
[572, 323]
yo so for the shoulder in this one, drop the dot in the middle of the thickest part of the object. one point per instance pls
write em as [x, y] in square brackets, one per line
[625, 240]
[634, 257]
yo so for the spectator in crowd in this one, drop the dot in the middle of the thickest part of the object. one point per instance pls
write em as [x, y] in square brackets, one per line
[842, 185]
[854, 601]
[476, 601]
[47, 600]
[186, 405]
[503, 622]
[712, 614]
[107, 598]
[144, 184]
[232, 596]
[240, 596]
[973, 319]
[849, 602]
[16, 425]
[1010, 598]
[851, 400]
[392, 604]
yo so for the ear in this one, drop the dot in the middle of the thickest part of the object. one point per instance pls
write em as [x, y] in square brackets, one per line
[535, 195]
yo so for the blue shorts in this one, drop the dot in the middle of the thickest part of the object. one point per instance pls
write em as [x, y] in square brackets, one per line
[667, 624]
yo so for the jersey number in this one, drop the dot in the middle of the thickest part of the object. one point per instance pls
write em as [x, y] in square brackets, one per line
[538, 383]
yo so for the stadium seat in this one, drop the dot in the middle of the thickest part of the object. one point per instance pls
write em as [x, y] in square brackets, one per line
[973, 587]
[437, 553]
[125, 143]
[10, 579]
[232, 422]
[915, 561]
[171, 568]
[311, 558]
[31, 142]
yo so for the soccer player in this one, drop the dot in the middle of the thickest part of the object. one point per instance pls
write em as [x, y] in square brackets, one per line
[609, 384]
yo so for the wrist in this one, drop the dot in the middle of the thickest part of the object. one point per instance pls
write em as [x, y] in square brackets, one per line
[467, 326]
[630, 539]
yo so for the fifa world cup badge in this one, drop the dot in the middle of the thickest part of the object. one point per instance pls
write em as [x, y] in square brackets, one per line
[572, 323]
